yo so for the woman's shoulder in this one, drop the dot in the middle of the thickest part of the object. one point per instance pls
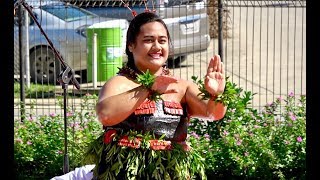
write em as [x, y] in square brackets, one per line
[120, 82]
[119, 79]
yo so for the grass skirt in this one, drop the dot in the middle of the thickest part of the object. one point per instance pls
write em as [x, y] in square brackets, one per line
[120, 162]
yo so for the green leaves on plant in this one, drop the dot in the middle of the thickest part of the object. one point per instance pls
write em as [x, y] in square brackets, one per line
[39, 141]
[251, 143]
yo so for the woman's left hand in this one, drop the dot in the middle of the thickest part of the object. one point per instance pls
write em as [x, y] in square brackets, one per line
[215, 78]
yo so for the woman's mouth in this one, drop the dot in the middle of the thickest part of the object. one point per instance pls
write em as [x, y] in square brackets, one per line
[155, 55]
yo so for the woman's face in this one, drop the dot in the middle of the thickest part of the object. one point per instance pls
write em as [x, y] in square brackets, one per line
[151, 48]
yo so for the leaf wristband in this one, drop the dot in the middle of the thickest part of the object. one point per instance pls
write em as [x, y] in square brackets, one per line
[228, 94]
[146, 79]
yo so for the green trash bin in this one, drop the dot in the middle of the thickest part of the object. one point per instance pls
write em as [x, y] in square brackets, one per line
[109, 50]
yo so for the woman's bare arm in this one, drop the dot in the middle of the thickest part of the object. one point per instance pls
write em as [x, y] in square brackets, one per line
[118, 98]
[214, 83]
[208, 109]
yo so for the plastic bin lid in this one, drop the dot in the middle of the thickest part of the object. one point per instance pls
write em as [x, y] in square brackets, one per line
[122, 23]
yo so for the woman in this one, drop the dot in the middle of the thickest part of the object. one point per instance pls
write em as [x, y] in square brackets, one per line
[125, 104]
[146, 121]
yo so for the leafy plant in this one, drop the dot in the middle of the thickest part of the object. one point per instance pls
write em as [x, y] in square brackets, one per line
[35, 90]
[246, 143]
[39, 141]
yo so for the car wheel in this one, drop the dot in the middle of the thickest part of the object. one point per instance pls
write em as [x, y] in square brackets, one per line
[44, 67]
[176, 62]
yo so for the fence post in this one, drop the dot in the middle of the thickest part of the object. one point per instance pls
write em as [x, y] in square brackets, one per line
[220, 33]
[94, 60]
[22, 82]
[27, 60]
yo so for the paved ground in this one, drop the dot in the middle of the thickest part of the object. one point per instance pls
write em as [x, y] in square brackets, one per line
[266, 57]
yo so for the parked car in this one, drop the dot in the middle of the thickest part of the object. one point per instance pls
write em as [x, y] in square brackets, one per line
[65, 25]
[187, 21]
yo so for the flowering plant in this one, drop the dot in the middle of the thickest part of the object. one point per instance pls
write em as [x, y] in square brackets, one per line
[39, 141]
[247, 143]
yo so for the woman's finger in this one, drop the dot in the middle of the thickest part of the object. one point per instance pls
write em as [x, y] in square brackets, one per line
[218, 63]
[210, 67]
[215, 63]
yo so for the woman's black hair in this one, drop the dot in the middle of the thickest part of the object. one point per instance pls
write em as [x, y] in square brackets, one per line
[134, 30]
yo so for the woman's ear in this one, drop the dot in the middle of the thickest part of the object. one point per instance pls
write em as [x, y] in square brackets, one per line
[130, 47]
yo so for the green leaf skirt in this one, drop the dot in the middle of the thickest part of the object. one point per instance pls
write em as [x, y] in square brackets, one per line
[119, 162]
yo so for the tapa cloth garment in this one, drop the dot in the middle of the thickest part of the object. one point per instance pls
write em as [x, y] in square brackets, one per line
[79, 173]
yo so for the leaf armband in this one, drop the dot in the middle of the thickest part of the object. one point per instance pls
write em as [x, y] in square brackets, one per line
[146, 79]
[226, 97]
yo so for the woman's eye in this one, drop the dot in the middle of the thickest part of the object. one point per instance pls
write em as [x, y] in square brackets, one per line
[148, 40]
[162, 41]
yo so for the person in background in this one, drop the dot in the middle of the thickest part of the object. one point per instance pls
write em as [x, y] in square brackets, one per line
[145, 111]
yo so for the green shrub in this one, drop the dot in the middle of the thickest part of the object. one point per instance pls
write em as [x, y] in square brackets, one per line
[39, 142]
[270, 144]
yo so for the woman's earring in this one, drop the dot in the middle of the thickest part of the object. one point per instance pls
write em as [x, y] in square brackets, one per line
[130, 48]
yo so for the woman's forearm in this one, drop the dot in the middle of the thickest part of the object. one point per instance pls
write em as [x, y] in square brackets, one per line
[114, 109]
[198, 107]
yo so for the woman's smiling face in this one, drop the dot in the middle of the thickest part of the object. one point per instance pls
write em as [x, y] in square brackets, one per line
[151, 49]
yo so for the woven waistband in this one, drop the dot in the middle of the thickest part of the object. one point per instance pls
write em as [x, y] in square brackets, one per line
[135, 142]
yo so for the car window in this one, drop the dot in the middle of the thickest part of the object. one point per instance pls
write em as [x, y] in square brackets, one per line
[67, 13]
[169, 3]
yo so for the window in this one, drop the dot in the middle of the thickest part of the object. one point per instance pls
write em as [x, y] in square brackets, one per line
[67, 13]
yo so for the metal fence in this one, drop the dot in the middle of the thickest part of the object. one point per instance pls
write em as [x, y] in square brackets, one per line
[264, 52]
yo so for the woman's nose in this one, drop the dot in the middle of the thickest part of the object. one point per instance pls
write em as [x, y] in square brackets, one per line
[156, 45]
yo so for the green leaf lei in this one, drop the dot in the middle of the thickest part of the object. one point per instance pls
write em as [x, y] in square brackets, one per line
[228, 94]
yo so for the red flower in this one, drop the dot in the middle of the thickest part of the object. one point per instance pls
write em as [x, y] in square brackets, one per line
[108, 136]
